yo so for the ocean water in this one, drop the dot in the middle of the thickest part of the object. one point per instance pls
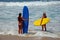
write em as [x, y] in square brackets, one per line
[9, 12]
[26, 0]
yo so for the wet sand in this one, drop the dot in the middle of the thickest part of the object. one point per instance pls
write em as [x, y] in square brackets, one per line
[15, 37]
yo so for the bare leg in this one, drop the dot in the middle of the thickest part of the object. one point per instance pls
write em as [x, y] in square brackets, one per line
[45, 28]
[19, 31]
[42, 28]
[22, 31]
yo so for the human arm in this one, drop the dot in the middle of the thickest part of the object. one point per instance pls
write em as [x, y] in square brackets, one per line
[41, 21]
[25, 19]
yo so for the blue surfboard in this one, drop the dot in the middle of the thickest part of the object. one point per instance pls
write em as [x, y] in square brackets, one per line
[26, 22]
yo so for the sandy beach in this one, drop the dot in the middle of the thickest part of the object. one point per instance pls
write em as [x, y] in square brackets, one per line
[15, 37]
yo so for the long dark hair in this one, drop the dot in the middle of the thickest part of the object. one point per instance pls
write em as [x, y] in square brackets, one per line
[44, 14]
[19, 14]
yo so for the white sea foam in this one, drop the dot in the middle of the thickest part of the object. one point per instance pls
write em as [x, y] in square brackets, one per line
[34, 34]
[47, 34]
[37, 3]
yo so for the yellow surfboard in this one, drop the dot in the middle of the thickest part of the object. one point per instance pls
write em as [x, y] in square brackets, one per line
[41, 21]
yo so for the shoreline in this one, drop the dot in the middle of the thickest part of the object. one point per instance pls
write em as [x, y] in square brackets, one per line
[15, 37]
